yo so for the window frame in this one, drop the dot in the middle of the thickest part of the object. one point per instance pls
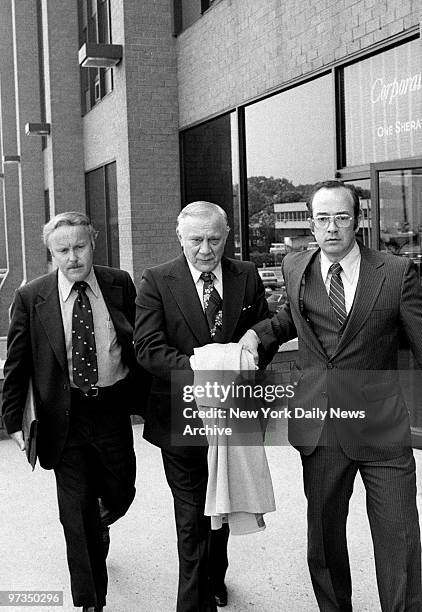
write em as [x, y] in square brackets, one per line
[109, 237]
[177, 8]
[347, 173]
[93, 81]
[350, 172]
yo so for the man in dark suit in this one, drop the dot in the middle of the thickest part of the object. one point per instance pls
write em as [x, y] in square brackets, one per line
[348, 305]
[173, 318]
[71, 333]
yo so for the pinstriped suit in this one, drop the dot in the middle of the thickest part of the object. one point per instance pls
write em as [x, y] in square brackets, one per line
[355, 367]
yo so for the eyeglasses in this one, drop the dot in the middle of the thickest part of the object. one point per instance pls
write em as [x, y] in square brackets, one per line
[323, 221]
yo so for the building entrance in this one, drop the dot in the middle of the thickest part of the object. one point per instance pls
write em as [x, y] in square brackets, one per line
[396, 198]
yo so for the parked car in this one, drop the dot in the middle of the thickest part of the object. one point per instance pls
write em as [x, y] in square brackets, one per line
[311, 246]
[413, 251]
[268, 278]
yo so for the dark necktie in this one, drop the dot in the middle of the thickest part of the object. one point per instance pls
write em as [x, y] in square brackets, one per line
[212, 303]
[336, 294]
[84, 355]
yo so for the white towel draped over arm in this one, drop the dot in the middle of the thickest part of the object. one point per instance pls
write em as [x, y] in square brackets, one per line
[239, 488]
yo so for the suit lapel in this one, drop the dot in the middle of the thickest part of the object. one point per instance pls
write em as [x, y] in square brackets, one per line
[234, 284]
[112, 294]
[297, 277]
[49, 313]
[183, 289]
[371, 279]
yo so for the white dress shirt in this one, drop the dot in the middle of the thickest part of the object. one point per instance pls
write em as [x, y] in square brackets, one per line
[199, 283]
[109, 354]
[349, 274]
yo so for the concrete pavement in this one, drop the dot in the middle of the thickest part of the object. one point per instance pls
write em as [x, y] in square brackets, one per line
[267, 573]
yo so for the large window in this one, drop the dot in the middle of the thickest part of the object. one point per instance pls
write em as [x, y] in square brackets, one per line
[400, 195]
[262, 161]
[101, 197]
[210, 163]
[383, 106]
[94, 27]
[365, 231]
[289, 147]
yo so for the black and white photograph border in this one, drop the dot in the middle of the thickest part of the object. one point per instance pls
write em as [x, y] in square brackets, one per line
[177, 92]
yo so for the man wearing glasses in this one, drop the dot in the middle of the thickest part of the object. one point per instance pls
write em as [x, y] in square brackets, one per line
[349, 306]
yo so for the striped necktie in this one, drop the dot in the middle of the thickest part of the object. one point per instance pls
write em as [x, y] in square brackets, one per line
[336, 293]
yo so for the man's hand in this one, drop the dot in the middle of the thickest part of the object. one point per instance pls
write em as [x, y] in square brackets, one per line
[250, 341]
[17, 436]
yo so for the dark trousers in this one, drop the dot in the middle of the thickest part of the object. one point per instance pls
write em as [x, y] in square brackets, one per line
[202, 553]
[97, 467]
[391, 506]
[218, 559]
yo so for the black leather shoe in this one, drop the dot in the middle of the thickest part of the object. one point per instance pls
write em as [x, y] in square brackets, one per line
[92, 609]
[220, 595]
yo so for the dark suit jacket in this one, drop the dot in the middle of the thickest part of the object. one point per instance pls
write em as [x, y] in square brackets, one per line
[170, 323]
[362, 372]
[36, 348]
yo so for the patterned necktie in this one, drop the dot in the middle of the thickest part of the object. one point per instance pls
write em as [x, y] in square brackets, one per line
[212, 303]
[84, 355]
[336, 294]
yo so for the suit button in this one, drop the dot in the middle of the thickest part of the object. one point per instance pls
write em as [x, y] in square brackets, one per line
[324, 393]
[67, 412]
[65, 387]
[330, 365]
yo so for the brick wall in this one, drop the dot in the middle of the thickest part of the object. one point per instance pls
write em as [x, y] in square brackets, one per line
[137, 125]
[240, 49]
[152, 130]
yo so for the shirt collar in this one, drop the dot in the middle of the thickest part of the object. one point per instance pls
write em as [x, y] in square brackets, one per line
[196, 274]
[65, 285]
[349, 263]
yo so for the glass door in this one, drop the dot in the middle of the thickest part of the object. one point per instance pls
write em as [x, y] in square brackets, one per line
[397, 211]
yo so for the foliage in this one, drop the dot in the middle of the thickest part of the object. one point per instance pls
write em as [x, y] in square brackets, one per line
[263, 193]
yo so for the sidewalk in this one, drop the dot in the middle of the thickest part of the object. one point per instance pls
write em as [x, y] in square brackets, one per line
[267, 573]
